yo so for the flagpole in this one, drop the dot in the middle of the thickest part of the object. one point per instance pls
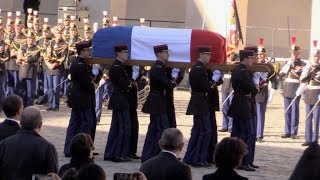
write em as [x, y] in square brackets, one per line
[204, 18]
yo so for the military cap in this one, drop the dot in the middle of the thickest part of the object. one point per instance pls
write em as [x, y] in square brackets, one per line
[252, 48]
[245, 54]
[315, 51]
[58, 30]
[261, 49]
[160, 48]
[204, 49]
[2, 30]
[10, 22]
[73, 26]
[87, 28]
[120, 48]
[67, 17]
[294, 47]
[46, 28]
[82, 45]
[18, 22]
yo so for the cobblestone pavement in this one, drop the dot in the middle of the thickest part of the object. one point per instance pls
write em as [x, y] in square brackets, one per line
[277, 157]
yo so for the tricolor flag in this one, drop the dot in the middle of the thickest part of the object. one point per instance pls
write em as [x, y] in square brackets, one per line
[140, 40]
[233, 35]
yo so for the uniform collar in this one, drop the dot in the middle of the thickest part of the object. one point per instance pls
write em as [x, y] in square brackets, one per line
[119, 62]
[166, 151]
[14, 120]
[201, 62]
[161, 62]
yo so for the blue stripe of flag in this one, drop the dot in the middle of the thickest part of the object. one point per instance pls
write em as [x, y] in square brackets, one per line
[104, 40]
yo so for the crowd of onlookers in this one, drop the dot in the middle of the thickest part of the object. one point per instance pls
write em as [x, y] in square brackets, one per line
[25, 154]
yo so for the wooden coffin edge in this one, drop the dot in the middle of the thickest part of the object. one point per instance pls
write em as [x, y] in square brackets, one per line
[214, 66]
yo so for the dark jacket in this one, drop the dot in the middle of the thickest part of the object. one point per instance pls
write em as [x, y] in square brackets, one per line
[76, 163]
[121, 84]
[213, 93]
[82, 90]
[26, 153]
[29, 69]
[242, 104]
[8, 128]
[165, 166]
[223, 175]
[200, 86]
[159, 84]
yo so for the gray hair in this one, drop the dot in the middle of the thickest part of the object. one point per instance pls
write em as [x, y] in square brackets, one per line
[31, 118]
[171, 139]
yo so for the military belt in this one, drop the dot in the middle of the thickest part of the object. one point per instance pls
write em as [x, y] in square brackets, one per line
[199, 93]
[244, 95]
[312, 87]
[291, 80]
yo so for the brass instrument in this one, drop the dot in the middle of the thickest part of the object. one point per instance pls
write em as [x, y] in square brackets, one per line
[27, 53]
[51, 55]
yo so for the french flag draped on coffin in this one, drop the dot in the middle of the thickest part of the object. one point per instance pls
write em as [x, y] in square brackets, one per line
[140, 40]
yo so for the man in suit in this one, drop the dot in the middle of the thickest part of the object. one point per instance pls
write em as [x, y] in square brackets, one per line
[26, 152]
[12, 108]
[166, 164]
[155, 104]
[201, 133]
[119, 138]
[242, 108]
[82, 100]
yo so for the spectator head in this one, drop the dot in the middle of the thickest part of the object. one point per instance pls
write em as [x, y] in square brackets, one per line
[171, 140]
[31, 118]
[308, 165]
[229, 153]
[12, 106]
[91, 171]
[81, 146]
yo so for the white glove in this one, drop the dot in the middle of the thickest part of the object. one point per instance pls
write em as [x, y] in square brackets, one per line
[101, 82]
[69, 77]
[305, 71]
[175, 73]
[318, 97]
[301, 88]
[135, 72]
[95, 69]
[270, 95]
[216, 75]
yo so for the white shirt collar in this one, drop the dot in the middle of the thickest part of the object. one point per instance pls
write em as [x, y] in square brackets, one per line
[170, 153]
[10, 119]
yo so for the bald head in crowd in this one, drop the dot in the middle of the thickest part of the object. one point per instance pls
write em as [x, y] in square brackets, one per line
[31, 118]
[171, 140]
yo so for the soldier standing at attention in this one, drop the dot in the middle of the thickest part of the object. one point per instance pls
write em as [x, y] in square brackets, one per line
[242, 108]
[292, 71]
[82, 101]
[312, 95]
[155, 104]
[118, 144]
[201, 132]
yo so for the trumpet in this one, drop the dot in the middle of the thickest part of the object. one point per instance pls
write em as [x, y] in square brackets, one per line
[27, 53]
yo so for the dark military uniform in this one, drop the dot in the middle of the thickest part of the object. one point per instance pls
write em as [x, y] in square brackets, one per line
[13, 67]
[118, 144]
[197, 151]
[133, 105]
[311, 97]
[213, 105]
[54, 72]
[170, 99]
[226, 89]
[82, 102]
[28, 73]
[4, 57]
[243, 111]
[155, 105]
[291, 85]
